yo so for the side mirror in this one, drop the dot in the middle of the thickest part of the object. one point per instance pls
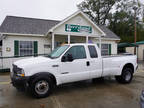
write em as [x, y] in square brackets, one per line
[70, 58]
[63, 59]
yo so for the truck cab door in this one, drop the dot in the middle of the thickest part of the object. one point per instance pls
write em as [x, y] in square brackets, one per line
[74, 65]
[95, 62]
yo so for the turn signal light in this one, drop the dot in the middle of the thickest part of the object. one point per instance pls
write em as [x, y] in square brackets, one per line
[22, 75]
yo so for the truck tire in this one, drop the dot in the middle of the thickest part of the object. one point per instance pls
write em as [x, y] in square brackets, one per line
[126, 76]
[41, 87]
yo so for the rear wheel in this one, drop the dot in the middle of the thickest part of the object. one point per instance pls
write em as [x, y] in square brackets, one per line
[41, 87]
[126, 76]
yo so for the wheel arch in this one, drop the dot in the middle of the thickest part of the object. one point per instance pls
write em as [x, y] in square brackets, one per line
[130, 65]
[43, 74]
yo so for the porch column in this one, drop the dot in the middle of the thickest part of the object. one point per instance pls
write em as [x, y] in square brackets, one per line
[53, 41]
[68, 38]
[86, 39]
[100, 43]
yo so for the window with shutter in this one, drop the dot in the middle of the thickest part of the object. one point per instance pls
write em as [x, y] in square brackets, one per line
[35, 47]
[24, 48]
[109, 49]
[16, 48]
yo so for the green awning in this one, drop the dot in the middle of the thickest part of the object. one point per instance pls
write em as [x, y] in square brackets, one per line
[140, 42]
[123, 45]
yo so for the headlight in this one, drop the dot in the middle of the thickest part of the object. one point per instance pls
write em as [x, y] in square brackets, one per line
[20, 72]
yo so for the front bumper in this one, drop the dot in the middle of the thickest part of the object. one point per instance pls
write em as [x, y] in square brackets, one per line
[19, 82]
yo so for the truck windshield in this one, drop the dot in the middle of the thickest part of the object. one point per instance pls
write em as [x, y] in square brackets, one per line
[58, 51]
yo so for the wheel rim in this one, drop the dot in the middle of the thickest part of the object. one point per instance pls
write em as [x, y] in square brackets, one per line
[128, 76]
[41, 87]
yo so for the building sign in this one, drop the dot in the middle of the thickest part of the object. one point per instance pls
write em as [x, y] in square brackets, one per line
[78, 28]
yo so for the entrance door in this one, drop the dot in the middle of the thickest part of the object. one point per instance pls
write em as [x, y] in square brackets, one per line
[75, 70]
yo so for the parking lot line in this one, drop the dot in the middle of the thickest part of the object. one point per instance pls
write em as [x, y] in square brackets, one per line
[4, 83]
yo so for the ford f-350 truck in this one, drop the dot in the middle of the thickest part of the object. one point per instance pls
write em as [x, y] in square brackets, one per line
[70, 63]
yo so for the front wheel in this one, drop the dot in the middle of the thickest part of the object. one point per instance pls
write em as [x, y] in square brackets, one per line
[126, 76]
[41, 87]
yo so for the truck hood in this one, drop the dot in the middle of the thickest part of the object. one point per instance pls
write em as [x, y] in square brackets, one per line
[31, 61]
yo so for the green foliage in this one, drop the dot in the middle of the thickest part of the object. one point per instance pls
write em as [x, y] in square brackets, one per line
[118, 15]
[97, 10]
[122, 21]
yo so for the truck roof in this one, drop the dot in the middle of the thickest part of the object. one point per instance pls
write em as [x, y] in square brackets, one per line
[80, 44]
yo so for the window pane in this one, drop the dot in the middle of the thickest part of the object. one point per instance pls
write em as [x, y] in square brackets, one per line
[92, 51]
[78, 52]
[104, 46]
[26, 48]
[104, 49]
[104, 52]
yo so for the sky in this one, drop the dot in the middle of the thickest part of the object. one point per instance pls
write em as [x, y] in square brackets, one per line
[43, 9]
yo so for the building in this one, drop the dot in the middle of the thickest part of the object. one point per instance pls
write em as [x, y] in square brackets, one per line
[21, 36]
[140, 50]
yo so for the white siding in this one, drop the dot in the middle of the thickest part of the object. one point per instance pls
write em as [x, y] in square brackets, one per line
[8, 42]
[77, 20]
[140, 51]
[113, 44]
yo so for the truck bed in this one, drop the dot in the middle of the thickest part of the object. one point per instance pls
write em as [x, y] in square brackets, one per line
[112, 64]
[117, 55]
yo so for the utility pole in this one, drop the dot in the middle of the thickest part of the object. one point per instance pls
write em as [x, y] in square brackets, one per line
[135, 30]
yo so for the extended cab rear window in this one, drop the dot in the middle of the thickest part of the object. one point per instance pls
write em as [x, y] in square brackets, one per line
[92, 51]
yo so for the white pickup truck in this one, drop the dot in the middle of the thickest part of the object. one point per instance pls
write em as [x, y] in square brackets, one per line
[70, 63]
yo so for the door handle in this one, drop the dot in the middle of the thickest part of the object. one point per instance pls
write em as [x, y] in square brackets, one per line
[88, 63]
[65, 73]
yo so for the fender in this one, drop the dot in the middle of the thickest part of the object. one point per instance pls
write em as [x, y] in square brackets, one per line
[43, 74]
[122, 66]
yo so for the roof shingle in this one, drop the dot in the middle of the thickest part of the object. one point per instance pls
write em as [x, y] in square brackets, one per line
[23, 25]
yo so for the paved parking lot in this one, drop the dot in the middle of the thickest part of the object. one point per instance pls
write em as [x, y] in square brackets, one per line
[108, 94]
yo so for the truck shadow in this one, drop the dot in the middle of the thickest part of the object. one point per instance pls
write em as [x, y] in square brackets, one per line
[84, 85]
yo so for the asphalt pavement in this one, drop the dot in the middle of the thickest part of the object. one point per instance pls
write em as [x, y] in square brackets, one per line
[84, 94]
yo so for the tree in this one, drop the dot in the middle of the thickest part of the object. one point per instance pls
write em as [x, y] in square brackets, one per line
[97, 10]
[122, 20]
[118, 15]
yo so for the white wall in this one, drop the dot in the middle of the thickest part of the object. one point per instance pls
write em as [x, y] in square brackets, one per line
[8, 42]
[140, 51]
[113, 44]
[77, 20]
[80, 20]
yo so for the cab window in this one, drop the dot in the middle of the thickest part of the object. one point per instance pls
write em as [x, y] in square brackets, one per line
[77, 52]
[92, 51]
